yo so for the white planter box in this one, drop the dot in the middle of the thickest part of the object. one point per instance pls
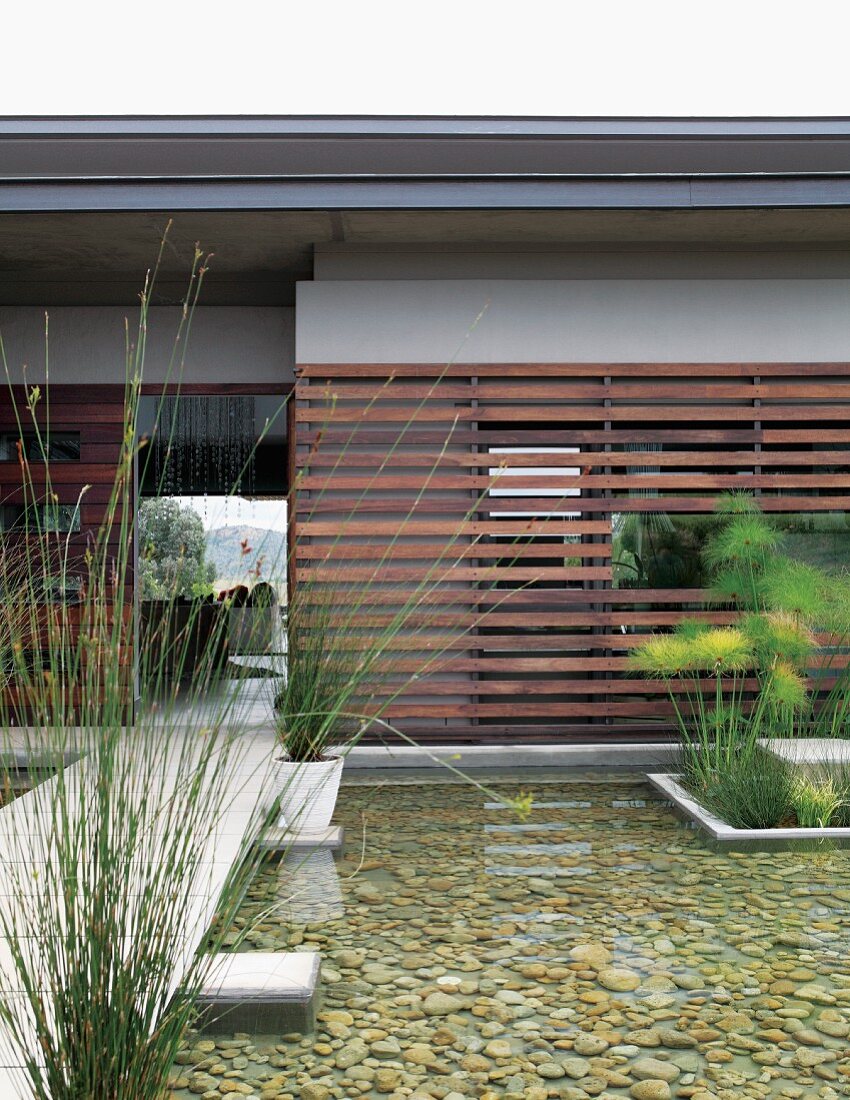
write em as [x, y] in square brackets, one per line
[667, 784]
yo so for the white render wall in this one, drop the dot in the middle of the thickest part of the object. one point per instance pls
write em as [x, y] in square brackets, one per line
[226, 343]
[581, 319]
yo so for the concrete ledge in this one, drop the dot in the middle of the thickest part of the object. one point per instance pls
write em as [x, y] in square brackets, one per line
[603, 754]
[279, 842]
[261, 992]
[24, 762]
[803, 751]
[754, 838]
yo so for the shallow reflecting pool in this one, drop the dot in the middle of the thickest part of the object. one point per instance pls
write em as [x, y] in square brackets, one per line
[598, 948]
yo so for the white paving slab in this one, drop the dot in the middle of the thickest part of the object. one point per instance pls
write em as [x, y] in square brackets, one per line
[284, 974]
[810, 750]
[280, 840]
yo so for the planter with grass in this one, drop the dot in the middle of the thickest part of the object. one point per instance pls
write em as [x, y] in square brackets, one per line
[325, 702]
[768, 799]
[308, 767]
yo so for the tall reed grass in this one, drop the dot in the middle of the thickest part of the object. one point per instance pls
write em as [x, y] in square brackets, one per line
[104, 865]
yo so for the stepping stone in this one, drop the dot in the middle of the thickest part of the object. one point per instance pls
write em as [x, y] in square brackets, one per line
[261, 992]
[278, 841]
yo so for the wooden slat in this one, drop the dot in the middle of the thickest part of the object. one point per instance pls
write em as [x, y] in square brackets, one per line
[563, 483]
[425, 640]
[584, 459]
[435, 551]
[472, 528]
[525, 391]
[531, 709]
[513, 434]
[330, 371]
[383, 574]
[574, 413]
[66, 474]
[564, 686]
[372, 504]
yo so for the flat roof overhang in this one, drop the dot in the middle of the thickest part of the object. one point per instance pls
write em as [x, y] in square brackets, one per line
[84, 201]
[427, 193]
[346, 163]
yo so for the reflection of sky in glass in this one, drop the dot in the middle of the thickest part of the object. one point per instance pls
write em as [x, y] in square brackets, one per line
[535, 471]
[236, 511]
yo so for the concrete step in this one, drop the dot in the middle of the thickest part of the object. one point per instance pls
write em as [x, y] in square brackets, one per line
[261, 992]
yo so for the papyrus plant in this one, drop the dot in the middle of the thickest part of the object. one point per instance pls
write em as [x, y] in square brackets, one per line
[761, 676]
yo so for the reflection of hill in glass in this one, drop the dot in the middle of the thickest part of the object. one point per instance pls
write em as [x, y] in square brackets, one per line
[232, 566]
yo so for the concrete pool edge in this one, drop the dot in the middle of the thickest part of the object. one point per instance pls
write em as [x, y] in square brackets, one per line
[599, 754]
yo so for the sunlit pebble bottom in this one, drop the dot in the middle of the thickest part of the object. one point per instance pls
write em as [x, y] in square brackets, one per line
[600, 948]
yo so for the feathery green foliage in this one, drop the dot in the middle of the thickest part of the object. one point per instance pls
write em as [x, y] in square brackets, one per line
[721, 651]
[744, 540]
[797, 589]
[736, 502]
[662, 656]
[838, 774]
[779, 636]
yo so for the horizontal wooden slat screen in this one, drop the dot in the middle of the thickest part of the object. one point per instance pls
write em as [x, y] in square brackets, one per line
[561, 509]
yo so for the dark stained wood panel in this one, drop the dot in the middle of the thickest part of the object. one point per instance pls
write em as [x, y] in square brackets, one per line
[97, 413]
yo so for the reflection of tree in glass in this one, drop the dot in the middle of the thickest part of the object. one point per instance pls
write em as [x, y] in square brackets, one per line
[172, 551]
[657, 550]
[819, 539]
[638, 532]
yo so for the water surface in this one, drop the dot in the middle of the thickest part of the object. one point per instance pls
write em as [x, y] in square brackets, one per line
[598, 948]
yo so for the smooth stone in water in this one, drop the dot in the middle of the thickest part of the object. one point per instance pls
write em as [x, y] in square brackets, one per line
[618, 979]
[648, 1068]
[441, 1004]
[351, 1054]
[650, 1090]
[576, 1068]
[593, 955]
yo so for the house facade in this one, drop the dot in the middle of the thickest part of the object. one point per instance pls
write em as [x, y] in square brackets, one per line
[522, 357]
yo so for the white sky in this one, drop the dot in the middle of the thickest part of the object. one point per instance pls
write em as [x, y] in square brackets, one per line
[551, 57]
[236, 512]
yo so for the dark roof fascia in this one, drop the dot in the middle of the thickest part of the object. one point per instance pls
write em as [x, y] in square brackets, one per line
[459, 193]
[321, 126]
[347, 162]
